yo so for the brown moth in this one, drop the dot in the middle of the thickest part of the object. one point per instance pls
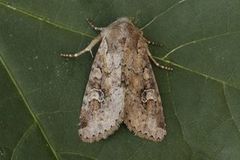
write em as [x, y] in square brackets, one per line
[121, 86]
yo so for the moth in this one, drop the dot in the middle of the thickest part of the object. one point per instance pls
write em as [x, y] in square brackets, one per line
[121, 86]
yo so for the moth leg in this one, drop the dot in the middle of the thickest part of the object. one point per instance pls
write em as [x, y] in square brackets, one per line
[153, 43]
[87, 49]
[157, 64]
[93, 26]
[158, 44]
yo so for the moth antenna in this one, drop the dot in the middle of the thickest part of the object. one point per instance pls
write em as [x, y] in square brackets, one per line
[93, 26]
[157, 64]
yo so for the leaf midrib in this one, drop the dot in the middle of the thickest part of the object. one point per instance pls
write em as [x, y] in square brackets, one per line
[44, 19]
[36, 120]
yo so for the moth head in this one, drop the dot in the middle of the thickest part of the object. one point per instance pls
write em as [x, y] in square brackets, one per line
[123, 20]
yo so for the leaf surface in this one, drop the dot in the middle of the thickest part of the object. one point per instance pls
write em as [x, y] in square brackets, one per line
[41, 93]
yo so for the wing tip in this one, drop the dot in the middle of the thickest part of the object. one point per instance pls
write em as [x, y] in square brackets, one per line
[157, 138]
[96, 138]
[100, 135]
[157, 135]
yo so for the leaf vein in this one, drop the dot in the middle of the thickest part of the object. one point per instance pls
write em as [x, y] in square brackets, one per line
[77, 154]
[55, 112]
[198, 73]
[25, 135]
[175, 113]
[197, 41]
[27, 105]
[44, 19]
[229, 108]
[162, 13]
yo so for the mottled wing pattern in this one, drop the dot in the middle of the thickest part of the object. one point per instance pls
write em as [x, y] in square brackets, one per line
[121, 87]
[103, 102]
[143, 107]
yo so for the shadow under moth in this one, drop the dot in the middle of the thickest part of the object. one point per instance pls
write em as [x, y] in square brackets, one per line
[121, 86]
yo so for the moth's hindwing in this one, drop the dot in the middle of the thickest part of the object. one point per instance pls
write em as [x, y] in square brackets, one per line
[103, 102]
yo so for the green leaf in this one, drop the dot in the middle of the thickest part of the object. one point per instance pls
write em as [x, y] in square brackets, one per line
[41, 93]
